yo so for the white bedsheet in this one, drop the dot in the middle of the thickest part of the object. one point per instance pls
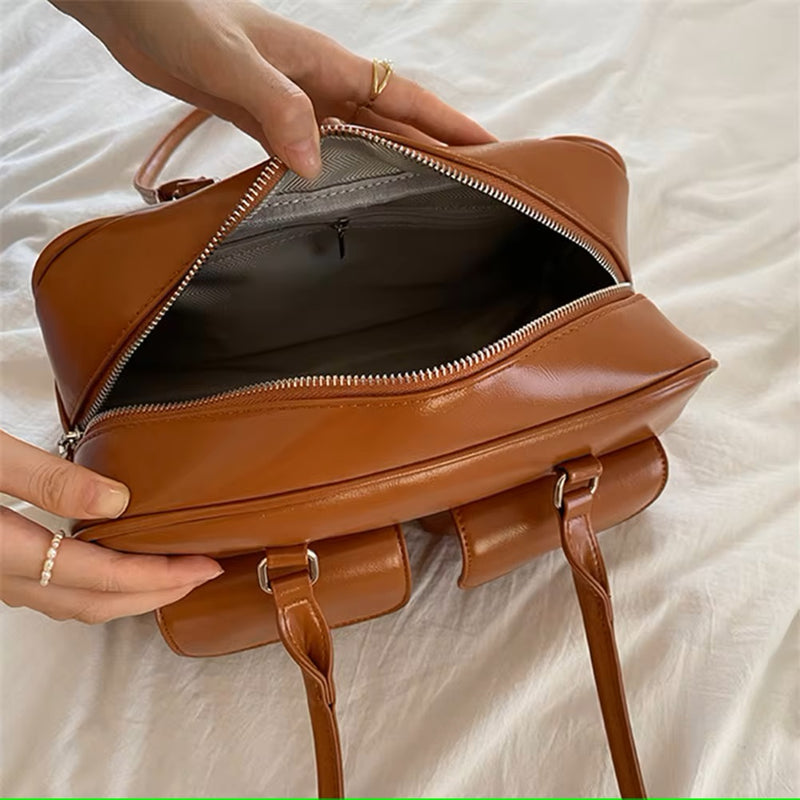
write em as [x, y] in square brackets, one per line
[486, 692]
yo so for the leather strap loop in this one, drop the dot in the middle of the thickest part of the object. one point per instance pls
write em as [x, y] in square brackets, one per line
[591, 584]
[307, 638]
[146, 176]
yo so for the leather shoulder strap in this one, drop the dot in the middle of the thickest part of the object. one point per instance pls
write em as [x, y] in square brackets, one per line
[147, 175]
[574, 497]
[307, 638]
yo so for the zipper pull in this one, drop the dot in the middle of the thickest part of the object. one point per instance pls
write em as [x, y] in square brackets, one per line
[68, 442]
[340, 226]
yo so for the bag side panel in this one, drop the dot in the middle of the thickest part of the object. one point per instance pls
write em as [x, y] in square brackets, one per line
[409, 492]
[360, 577]
[583, 178]
[259, 446]
[501, 532]
[96, 290]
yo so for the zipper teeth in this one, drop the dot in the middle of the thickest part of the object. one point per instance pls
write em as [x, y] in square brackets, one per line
[447, 370]
[244, 205]
[467, 362]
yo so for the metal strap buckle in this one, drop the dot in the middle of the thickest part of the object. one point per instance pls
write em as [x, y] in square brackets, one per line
[558, 493]
[263, 577]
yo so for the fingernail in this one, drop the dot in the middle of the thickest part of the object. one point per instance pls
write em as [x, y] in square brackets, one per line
[210, 577]
[108, 499]
[303, 157]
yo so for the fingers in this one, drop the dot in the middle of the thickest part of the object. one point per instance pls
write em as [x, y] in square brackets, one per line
[405, 101]
[147, 71]
[365, 116]
[56, 485]
[84, 605]
[82, 565]
[249, 92]
[284, 112]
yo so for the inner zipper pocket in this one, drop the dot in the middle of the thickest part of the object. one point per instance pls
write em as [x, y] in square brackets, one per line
[434, 217]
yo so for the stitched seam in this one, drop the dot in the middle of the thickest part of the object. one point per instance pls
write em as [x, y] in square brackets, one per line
[575, 561]
[401, 543]
[275, 237]
[609, 653]
[310, 607]
[465, 545]
[289, 631]
[325, 736]
[321, 193]
[593, 549]
[662, 457]
[166, 633]
[355, 403]
[322, 631]
[607, 644]
[40, 272]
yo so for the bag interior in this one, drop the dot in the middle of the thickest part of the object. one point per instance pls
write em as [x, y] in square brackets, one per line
[380, 265]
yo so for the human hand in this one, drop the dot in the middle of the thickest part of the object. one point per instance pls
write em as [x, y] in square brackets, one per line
[89, 583]
[273, 78]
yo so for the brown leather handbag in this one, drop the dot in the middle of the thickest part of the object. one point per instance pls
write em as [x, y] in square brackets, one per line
[283, 371]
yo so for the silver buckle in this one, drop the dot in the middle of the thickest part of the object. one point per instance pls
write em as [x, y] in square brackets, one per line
[558, 493]
[263, 577]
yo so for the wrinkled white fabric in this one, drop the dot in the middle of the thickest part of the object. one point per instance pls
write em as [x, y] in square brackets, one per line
[486, 692]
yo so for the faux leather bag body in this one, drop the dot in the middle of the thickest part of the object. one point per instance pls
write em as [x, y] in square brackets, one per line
[283, 371]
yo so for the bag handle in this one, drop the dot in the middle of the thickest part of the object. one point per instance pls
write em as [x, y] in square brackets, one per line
[289, 574]
[574, 496]
[146, 176]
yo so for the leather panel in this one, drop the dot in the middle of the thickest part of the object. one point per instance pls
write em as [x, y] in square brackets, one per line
[580, 178]
[360, 577]
[500, 532]
[405, 493]
[265, 447]
[121, 271]
[564, 170]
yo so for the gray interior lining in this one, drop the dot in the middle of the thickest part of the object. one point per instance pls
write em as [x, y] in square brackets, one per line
[356, 174]
[380, 265]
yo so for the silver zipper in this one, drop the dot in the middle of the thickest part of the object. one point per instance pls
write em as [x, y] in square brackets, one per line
[244, 206]
[406, 379]
[69, 441]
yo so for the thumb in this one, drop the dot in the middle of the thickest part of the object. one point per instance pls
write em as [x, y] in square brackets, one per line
[282, 109]
[56, 485]
[286, 114]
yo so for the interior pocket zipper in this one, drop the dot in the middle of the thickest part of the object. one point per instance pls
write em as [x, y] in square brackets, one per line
[340, 226]
[266, 180]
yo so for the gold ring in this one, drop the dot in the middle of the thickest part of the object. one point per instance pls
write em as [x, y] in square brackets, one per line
[379, 80]
[50, 558]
